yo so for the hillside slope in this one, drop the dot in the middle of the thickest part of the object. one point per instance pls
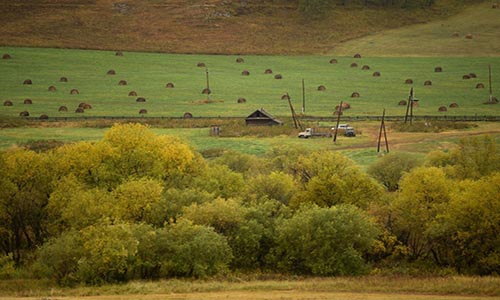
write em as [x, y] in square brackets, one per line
[196, 26]
[473, 32]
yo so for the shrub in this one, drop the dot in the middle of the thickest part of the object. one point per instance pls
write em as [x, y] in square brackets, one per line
[325, 241]
[389, 169]
[192, 250]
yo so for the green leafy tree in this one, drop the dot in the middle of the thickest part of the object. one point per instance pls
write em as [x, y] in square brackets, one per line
[246, 229]
[424, 193]
[476, 157]
[275, 185]
[58, 258]
[137, 152]
[73, 205]
[469, 226]
[389, 169]
[330, 178]
[220, 181]
[25, 186]
[140, 200]
[176, 200]
[109, 253]
[325, 241]
[192, 250]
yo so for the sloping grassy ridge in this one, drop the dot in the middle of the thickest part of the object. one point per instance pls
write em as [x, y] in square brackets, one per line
[195, 26]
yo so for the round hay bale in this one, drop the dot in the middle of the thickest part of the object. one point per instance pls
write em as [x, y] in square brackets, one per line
[43, 117]
[494, 5]
[28, 81]
[79, 110]
[111, 72]
[74, 92]
[87, 106]
[63, 108]
[337, 112]
[354, 65]
[345, 105]
[357, 55]
[453, 105]
[6, 56]
[122, 82]
[143, 111]
[7, 103]
[170, 85]
[28, 101]
[82, 104]
[278, 76]
[52, 88]
[466, 76]
[402, 102]
[409, 81]
[240, 60]
[472, 75]
[455, 34]
[333, 61]
[241, 100]
[414, 103]
[428, 83]
[140, 99]
[133, 94]
[321, 88]
[469, 36]
[201, 65]
[63, 79]
[24, 114]
[438, 69]
[442, 108]
[268, 71]
[245, 73]
[365, 67]
[376, 74]
[119, 53]
[479, 86]
[206, 91]
[285, 97]
[355, 95]
[187, 115]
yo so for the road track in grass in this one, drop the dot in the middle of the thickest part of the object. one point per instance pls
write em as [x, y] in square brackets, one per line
[266, 295]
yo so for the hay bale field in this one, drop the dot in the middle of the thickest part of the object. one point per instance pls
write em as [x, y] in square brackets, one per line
[148, 73]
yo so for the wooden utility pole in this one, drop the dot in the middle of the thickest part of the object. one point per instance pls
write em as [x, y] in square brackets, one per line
[382, 128]
[409, 108]
[304, 97]
[296, 122]
[491, 90]
[339, 112]
[208, 84]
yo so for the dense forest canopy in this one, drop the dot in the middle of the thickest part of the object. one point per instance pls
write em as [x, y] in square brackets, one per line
[136, 205]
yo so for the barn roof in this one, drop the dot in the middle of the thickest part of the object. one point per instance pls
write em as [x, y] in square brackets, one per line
[262, 115]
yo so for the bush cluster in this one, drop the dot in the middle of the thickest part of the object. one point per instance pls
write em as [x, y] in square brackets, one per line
[140, 206]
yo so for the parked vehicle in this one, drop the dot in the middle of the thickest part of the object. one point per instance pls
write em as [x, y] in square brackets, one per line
[311, 132]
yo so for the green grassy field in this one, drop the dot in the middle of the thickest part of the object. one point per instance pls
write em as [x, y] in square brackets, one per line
[148, 74]
[446, 37]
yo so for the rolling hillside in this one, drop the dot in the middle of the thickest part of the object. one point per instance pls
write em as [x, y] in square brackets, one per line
[195, 26]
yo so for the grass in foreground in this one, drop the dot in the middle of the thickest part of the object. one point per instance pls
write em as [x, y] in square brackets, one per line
[367, 287]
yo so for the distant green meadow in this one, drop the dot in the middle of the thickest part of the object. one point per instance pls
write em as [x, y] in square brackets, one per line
[148, 74]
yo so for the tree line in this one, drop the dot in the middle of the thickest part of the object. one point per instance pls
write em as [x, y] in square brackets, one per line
[136, 205]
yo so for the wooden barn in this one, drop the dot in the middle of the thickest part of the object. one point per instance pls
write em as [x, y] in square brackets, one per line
[262, 117]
